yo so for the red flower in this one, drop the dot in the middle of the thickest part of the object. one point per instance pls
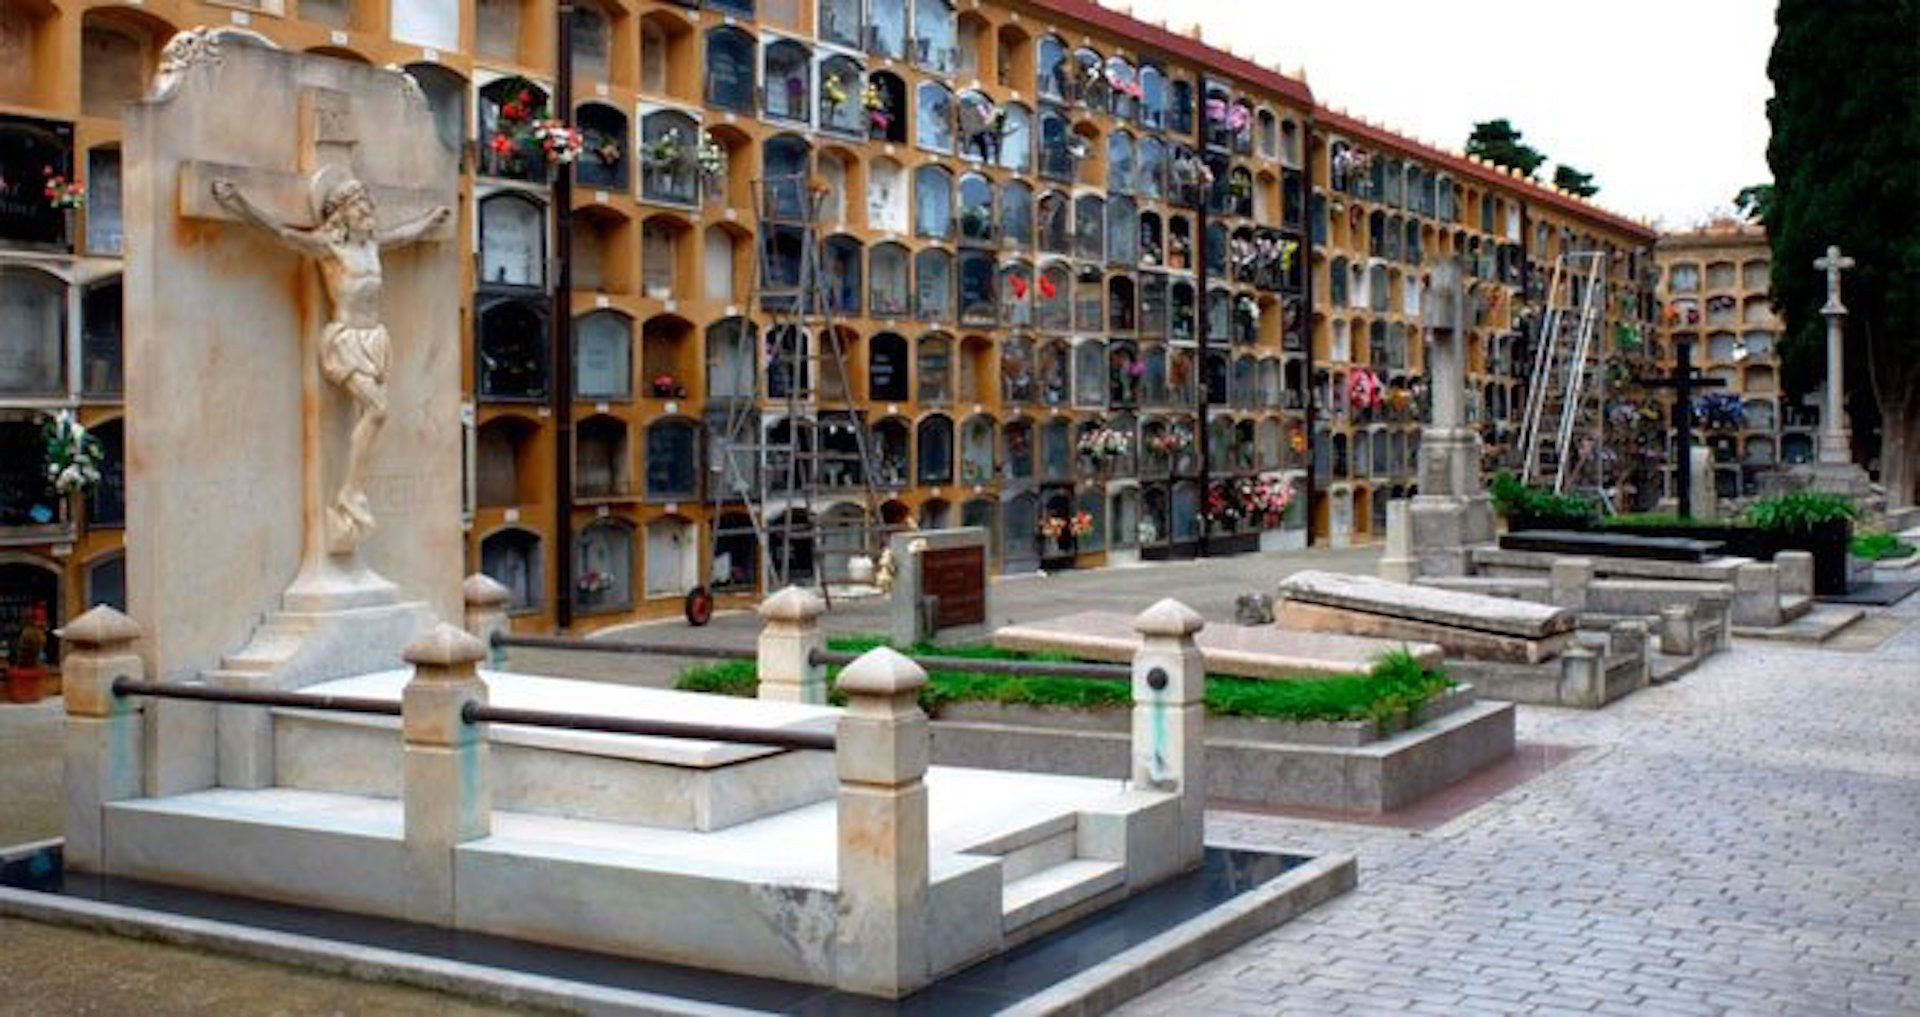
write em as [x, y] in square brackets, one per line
[501, 145]
[1047, 289]
[1019, 284]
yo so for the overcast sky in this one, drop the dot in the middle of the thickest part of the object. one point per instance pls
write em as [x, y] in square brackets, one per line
[1663, 101]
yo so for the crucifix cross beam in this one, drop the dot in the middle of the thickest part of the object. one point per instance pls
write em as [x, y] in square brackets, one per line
[1684, 381]
[328, 138]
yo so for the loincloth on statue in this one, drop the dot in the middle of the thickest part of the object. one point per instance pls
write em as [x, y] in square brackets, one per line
[349, 350]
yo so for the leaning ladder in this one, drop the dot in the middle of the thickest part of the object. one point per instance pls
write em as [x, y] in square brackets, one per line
[749, 458]
[1562, 388]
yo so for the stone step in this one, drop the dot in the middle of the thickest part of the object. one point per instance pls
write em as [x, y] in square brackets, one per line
[1035, 898]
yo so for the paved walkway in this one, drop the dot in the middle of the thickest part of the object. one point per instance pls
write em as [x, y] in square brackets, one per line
[1746, 840]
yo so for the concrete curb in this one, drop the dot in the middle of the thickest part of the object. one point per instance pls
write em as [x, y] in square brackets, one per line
[1195, 941]
[372, 964]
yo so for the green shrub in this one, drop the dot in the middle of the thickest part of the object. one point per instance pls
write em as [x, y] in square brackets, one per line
[1660, 520]
[1801, 511]
[1395, 687]
[1514, 498]
[1881, 547]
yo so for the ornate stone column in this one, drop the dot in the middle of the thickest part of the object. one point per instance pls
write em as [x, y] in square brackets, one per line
[787, 642]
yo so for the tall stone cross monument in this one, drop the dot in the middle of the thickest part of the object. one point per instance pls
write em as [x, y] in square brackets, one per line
[1836, 441]
[1451, 513]
[293, 375]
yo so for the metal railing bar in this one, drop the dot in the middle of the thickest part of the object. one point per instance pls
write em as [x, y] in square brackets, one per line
[623, 646]
[257, 697]
[1036, 668]
[476, 713]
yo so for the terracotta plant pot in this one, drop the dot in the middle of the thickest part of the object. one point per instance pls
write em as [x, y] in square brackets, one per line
[27, 684]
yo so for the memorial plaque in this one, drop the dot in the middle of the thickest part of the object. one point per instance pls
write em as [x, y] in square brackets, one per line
[958, 576]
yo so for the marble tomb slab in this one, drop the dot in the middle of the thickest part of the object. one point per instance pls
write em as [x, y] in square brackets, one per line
[1246, 651]
[1466, 625]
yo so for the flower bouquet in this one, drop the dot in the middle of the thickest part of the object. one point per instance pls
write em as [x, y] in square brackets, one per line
[63, 193]
[73, 454]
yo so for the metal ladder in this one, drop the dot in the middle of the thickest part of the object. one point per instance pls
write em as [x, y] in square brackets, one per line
[770, 473]
[1564, 389]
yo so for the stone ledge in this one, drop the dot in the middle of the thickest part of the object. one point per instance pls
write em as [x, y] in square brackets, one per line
[1186, 946]
[1369, 779]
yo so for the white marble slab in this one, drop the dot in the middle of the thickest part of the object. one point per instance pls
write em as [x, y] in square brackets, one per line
[528, 692]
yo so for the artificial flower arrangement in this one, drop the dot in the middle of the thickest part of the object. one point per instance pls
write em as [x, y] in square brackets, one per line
[711, 158]
[560, 144]
[1081, 524]
[1102, 444]
[875, 104]
[1248, 309]
[63, 193]
[1266, 498]
[1223, 502]
[605, 147]
[1052, 528]
[73, 454]
[522, 128]
[664, 152]
[1173, 439]
[595, 581]
[1364, 389]
[1720, 411]
[834, 92]
[1297, 440]
[1120, 82]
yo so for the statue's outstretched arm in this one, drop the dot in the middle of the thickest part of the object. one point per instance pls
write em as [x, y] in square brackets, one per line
[413, 229]
[229, 196]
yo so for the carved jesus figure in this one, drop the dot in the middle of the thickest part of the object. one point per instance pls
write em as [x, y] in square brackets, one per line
[354, 347]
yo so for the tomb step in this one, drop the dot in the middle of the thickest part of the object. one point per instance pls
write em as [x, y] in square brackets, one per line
[1035, 848]
[1792, 608]
[1031, 900]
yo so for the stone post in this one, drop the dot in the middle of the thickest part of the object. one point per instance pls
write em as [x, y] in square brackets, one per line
[1169, 717]
[486, 613]
[1398, 564]
[882, 753]
[787, 642]
[1679, 630]
[1583, 676]
[104, 735]
[445, 781]
[1796, 573]
[1571, 578]
[1756, 595]
[1631, 639]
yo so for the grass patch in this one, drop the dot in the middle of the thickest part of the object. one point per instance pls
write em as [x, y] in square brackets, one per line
[1881, 547]
[1396, 686]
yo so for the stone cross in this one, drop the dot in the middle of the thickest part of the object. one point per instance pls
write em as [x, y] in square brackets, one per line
[1836, 444]
[1447, 365]
[344, 241]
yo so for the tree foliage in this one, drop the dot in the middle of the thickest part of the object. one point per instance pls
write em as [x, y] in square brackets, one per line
[1498, 142]
[1845, 155]
[1573, 181]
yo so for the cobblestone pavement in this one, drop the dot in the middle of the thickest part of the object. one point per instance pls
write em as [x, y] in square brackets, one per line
[1746, 840]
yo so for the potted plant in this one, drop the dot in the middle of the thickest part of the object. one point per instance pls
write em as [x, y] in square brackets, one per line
[1528, 508]
[1814, 521]
[26, 673]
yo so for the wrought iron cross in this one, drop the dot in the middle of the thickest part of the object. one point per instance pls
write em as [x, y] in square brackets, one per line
[1684, 381]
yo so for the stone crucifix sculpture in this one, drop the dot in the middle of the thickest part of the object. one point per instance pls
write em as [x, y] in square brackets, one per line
[345, 243]
[1836, 443]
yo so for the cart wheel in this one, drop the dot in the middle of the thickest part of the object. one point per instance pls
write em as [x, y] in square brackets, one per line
[699, 606]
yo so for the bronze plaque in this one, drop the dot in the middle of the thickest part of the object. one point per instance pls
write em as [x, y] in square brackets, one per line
[958, 576]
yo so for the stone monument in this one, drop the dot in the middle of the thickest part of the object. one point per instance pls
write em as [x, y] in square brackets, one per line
[1452, 512]
[293, 339]
[1835, 469]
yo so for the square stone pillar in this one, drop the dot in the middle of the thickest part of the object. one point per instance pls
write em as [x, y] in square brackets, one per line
[787, 642]
[1796, 573]
[1679, 630]
[882, 753]
[1583, 676]
[1398, 564]
[1756, 595]
[1169, 716]
[104, 759]
[446, 785]
[486, 613]
[1569, 581]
